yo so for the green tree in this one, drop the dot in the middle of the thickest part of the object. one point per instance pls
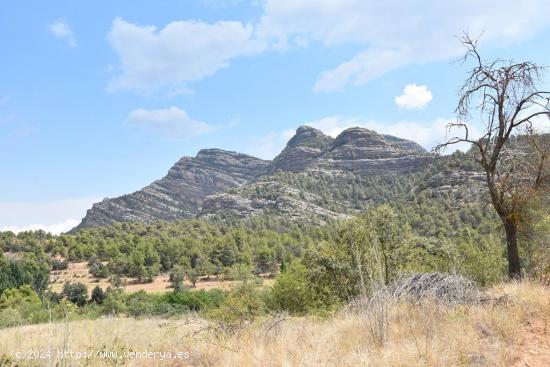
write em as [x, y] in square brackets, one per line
[291, 291]
[14, 274]
[243, 303]
[77, 293]
[21, 297]
[392, 239]
[177, 275]
[98, 295]
[193, 276]
[240, 272]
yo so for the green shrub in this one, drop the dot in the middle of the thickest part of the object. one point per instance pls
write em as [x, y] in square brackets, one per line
[77, 293]
[140, 304]
[19, 306]
[481, 258]
[291, 291]
[243, 303]
[14, 274]
[114, 303]
[59, 264]
[192, 300]
[98, 295]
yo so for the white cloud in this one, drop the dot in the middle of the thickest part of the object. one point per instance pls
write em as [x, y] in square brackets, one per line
[390, 34]
[395, 33]
[362, 68]
[270, 145]
[414, 97]
[539, 124]
[55, 228]
[181, 52]
[60, 29]
[428, 135]
[54, 216]
[171, 122]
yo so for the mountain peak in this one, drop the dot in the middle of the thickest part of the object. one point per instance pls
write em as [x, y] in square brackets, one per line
[216, 153]
[181, 193]
[306, 128]
[360, 143]
[307, 136]
[307, 144]
[360, 137]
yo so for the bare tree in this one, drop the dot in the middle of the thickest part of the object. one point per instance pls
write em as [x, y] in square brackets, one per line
[507, 98]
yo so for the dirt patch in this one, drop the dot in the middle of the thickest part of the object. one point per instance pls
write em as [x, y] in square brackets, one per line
[13, 255]
[79, 272]
[535, 349]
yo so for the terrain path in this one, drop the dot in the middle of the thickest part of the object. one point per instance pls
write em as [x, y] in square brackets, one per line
[535, 349]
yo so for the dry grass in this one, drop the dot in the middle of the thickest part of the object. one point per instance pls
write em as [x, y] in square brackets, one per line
[512, 333]
[79, 272]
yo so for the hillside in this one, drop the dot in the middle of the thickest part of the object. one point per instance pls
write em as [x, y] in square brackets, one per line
[315, 179]
[504, 334]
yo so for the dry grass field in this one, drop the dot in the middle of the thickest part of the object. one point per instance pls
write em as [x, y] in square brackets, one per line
[79, 272]
[512, 333]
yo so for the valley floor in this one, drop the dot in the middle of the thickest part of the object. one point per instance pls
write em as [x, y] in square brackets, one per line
[512, 332]
[79, 272]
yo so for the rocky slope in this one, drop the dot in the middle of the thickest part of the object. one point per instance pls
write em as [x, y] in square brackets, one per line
[314, 179]
[181, 192]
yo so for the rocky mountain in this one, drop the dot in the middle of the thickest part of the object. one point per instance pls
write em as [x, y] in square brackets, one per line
[302, 150]
[315, 179]
[181, 192]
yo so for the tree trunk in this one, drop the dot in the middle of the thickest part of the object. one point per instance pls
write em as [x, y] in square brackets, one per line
[386, 270]
[514, 268]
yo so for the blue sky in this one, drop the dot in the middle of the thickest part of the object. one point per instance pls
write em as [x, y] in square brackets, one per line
[100, 98]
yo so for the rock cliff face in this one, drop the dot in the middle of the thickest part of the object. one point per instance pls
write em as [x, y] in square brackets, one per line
[181, 192]
[355, 149]
[221, 182]
[302, 150]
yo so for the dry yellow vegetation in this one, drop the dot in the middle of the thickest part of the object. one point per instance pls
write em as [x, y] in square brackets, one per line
[510, 333]
[79, 272]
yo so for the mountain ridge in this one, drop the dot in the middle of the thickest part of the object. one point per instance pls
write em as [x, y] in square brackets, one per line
[213, 172]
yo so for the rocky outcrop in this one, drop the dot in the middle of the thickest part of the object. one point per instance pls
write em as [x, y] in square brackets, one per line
[407, 145]
[302, 150]
[357, 143]
[199, 186]
[181, 192]
[468, 186]
[367, 152]
[271, 197]
[356, 149]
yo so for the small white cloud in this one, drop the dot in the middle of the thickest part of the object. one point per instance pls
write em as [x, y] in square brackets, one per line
[60, 29]
[181, 52]
[270, 145]
[362, 68]
[414, 97]
[170, 122]
[53, 216]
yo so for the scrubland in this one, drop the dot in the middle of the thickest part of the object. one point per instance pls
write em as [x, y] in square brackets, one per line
[510, 329]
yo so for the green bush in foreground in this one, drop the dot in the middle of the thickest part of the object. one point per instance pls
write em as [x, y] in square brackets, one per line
[243, 303]
[290, 292]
